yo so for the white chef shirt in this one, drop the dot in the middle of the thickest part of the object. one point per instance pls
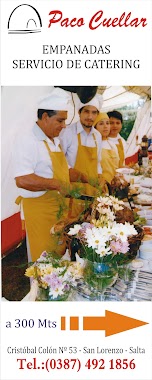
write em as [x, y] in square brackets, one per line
[115, 140]
[31, 156]
[69, 142]
[106, 144]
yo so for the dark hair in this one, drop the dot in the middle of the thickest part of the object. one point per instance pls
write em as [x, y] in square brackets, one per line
[49, 112]
[80, 110]
[85, 105]
[115, 114]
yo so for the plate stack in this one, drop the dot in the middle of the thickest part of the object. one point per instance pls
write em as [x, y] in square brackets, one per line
[145, 251]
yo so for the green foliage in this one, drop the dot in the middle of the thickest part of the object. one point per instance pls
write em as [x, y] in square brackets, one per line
[125, 273]
[127, 128]
[76, 192]
[139, 220]
[115, 260]
[62, 208]
[129, 113]
[99, 280]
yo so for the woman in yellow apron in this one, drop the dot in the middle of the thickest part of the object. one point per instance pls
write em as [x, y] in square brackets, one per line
[110, 156]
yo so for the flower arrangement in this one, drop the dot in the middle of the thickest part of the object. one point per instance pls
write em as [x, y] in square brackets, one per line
[103, 239]
[55, 277]
[105, 209]
[102, 243]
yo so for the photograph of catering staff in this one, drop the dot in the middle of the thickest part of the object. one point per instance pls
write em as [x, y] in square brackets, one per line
[76, 193]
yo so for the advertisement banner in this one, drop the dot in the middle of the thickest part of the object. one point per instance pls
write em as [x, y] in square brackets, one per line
[65, 64]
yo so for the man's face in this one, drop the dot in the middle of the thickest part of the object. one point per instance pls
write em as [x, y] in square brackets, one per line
[88, 116]
[115, 127]
[53, 125]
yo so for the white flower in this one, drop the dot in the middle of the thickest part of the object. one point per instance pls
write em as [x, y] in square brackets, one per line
[80, 260]
[59, 270]
[74, 230]
[75, 270]
[116, 203]
[58, 291]
[109, 201]
[106, 231]
[117, 207]
[43, 267]
[42, 258]
[130, 229]
[103, 251]
[122, 231]
[94, 237]
[116, 200]
[66, 256]
[104, 201]
[101, 210]
[110, 215]
[97, 240]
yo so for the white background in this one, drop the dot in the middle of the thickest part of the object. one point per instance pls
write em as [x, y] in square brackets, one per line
[126, 43]
[20, 337]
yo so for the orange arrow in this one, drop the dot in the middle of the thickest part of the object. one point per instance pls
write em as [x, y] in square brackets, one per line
[112, 323]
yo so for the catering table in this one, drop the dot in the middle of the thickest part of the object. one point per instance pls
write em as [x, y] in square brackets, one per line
[138, 285]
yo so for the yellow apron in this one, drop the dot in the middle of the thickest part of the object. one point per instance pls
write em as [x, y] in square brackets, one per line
[121, 153]
[86, 163]
[41, 213]
[109, 163]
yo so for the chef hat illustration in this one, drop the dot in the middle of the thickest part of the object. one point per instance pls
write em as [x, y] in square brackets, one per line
[24, 19]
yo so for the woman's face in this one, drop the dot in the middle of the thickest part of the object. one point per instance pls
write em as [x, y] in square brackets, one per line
[103, 126]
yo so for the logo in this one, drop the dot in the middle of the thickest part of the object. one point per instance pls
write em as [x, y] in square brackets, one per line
[24, 19]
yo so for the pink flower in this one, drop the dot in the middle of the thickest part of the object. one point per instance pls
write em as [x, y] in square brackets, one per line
[44, 254]
[118, 246]
[52, 280]
[115, 246]
[82, 231]
[124, 247]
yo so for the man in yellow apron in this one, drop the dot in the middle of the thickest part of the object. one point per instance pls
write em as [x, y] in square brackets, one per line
[110, 156]
[116, 120]
[42, 174]
[81, 144]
